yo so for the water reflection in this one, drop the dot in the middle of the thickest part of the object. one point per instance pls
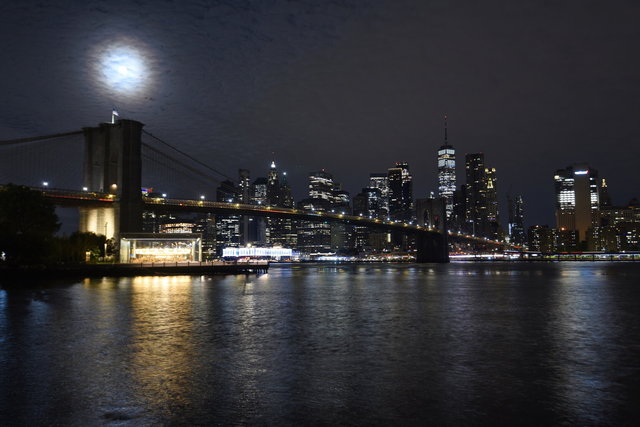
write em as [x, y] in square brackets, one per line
[362, 344]
[162, 347]
[584, 335]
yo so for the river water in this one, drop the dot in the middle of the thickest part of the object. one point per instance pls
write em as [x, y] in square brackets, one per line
[463, 343]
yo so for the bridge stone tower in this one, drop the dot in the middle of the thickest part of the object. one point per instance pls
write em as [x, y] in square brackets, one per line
[113, 165]
[431, 213]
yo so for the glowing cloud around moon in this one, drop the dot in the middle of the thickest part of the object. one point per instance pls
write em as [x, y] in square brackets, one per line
[123, 71]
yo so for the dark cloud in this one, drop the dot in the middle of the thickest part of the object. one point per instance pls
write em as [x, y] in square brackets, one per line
[349, 86]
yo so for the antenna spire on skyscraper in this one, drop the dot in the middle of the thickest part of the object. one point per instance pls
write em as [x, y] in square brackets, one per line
[446, 142]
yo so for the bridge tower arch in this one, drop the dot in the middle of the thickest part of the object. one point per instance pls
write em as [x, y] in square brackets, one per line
[112, 164]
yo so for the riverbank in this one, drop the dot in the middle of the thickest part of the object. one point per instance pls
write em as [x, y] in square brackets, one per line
[128, 270]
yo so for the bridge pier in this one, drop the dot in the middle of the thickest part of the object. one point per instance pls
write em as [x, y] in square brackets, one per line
[99, 220]
[432, 247]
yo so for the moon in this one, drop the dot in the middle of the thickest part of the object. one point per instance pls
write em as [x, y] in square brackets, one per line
[123, 71]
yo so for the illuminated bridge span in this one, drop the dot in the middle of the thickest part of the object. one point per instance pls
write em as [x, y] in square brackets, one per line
[112, 177]
[162, 204]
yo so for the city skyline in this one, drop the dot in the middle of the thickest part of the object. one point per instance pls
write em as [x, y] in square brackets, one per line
[350, 87]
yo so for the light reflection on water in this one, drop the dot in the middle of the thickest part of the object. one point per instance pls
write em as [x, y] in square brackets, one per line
[347, 344]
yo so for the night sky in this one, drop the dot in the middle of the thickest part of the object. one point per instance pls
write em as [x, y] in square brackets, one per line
[348, 86]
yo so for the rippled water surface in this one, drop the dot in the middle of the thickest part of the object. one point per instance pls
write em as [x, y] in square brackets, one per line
[555, 343]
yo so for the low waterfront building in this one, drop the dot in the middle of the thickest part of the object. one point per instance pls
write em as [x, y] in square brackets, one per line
[167, 247]
[253, 252]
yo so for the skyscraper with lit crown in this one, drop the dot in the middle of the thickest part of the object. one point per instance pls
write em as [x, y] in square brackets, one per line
[577, 199]
[447, 172]
[280, 231]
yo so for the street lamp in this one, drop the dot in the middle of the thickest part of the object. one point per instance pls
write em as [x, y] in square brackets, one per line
[45, 183]
[202, 197]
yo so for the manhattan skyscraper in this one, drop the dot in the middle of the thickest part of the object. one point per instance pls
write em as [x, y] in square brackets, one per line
[447, 172]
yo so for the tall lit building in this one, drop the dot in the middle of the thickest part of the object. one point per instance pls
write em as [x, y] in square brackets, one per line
[400, 192]
[274, 226]
[244, 184]
[258, 226]
[447, 172]
[321, 237]
[321, 185]
[491, 197]
[227, 226]
[205, 224]
[516, 220]
[289, 236]
[577, 199]
[244, 196]
[605, 198]
[273, 186]
[286, 197]
[315, 237]
[367, 203]
[482, 213]
[475, 201]
[259, 196]
[277, 192]
[374, 201]
[381, 182]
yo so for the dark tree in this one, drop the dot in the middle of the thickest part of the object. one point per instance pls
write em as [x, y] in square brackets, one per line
[73, 249]
[28, 222]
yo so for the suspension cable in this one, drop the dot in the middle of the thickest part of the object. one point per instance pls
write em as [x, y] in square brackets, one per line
[178, 162]
[188, 156]
[206, 182]
[39, 138]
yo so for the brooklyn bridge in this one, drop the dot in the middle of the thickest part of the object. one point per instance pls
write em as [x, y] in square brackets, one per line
[100, 171]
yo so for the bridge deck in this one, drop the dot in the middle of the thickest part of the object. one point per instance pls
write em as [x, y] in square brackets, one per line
[66, 197]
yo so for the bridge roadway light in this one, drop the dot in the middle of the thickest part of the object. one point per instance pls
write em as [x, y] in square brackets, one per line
[164, 195]
[45, 183]
[85, 188]
[202, 197]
